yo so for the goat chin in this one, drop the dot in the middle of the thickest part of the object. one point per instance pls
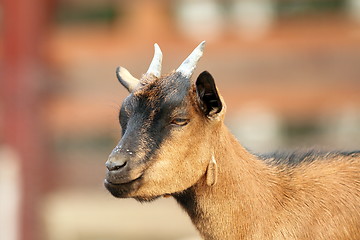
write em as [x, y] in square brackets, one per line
[146, 199]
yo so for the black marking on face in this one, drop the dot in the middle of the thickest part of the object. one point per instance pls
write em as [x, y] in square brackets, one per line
[146, 114]
[125, 112]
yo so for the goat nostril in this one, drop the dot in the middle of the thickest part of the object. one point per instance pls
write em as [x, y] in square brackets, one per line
[117, 167]
[113, 166]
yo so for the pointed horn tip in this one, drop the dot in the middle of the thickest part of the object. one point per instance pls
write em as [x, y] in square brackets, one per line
[120, 70]
[157, 48]
[201, 46]
[188, 66]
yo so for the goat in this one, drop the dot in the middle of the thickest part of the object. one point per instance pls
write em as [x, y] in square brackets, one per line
[174, 143]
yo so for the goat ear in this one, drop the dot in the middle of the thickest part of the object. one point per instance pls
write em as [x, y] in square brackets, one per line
[207, 93]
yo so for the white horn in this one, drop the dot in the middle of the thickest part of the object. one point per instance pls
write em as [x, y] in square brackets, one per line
[188, 66]
[126, 79]
[155, 65]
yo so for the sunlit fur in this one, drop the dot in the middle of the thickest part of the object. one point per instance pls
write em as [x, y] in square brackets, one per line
[315, 196]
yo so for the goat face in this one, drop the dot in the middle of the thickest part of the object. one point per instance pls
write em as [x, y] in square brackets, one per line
[167, 123]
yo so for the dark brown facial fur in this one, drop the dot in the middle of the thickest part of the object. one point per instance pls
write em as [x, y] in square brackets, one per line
[148, 117]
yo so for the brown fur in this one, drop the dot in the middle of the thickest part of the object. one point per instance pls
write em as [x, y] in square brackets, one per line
[253, 200]
[230, 193]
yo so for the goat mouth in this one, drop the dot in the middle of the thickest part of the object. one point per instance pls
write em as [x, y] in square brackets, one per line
[122, 190]
[106, 181]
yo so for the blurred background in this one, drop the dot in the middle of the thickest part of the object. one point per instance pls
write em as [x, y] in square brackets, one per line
[289, 71]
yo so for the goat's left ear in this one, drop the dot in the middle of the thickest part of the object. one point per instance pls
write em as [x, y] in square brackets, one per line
[208, 96]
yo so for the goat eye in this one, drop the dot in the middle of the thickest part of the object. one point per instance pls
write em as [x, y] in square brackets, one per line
[180, 121]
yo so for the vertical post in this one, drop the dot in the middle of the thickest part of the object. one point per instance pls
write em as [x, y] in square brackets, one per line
[19, 105]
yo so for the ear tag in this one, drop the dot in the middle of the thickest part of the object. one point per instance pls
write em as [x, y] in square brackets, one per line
[211, 173]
